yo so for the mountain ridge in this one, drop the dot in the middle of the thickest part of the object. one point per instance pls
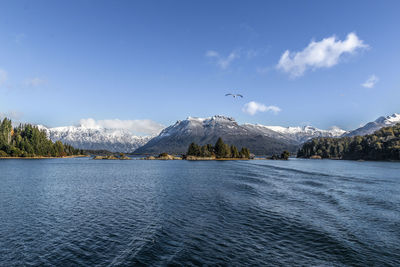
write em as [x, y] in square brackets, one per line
[114, 140]
[373, 126]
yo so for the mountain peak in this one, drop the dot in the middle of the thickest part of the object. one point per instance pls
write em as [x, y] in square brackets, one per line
[394, 118]
[373, 126]
[213, 118]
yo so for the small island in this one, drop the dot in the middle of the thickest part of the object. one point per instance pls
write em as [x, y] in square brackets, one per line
[220, 151]
[121, 156]
[28, 141]
[163, 156]
[284, 156]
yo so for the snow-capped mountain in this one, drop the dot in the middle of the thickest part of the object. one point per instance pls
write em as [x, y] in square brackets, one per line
[176, 138]
[373, 126]
[258, 138]
[114, 140]
[303, 134]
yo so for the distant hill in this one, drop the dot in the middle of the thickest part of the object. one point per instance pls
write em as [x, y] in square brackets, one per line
[383, 144]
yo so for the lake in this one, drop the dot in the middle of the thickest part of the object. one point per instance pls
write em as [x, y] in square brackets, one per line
[82, 212]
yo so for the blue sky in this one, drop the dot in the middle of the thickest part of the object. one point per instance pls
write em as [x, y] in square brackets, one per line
[63, 61]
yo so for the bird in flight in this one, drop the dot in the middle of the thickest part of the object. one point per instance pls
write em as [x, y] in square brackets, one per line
[234, 95]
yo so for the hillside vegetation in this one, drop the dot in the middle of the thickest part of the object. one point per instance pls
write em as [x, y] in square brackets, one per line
[27, 140]
[219, 151]
[383, 144]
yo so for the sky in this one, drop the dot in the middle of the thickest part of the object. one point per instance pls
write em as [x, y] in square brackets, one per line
[143, 64]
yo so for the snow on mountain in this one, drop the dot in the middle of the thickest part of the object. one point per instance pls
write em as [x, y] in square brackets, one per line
[194, 125]
[176, 138]
[258, 138]
[373, 126]
[305, 133]
[115, 140]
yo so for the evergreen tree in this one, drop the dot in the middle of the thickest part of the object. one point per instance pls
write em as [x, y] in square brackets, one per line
[220, 148]
[244, 153]
[234, 152]
[193, 150]
[205, 152]
[5, 132]
[210, 149]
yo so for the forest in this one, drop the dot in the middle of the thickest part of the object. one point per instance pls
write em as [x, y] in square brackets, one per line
[383, 144]
[27, 140]
[219, 150]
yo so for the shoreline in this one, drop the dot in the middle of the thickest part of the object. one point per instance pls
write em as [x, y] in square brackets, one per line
[359, 160]
[42, 157]
[208, 159]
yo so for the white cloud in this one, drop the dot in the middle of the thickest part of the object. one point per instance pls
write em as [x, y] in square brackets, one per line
[371, 81]
[146, 127]
[323, 54]
[34, 82]
[3, 76]
[254, 107]
[223, 62]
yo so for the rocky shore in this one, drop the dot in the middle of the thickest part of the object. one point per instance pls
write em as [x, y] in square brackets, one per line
[112, 157]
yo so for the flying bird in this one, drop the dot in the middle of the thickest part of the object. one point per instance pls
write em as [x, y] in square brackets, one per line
[234, 95]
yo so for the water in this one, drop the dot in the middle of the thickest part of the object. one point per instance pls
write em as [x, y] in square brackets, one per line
[82, 212]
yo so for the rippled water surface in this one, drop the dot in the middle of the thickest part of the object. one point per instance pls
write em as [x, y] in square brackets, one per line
[81, 212]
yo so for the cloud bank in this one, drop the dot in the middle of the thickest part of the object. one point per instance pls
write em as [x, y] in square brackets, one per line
[141, 127]
[323, 54]
[222, 62]
[34, 82]
[371, 81]
[253, 107]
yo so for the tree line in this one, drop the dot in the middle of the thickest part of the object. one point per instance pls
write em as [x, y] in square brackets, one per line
[383, 144]
[27, 140]
[219, 150]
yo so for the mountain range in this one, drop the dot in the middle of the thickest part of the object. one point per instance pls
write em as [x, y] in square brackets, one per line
[260, 139]
[115, 140]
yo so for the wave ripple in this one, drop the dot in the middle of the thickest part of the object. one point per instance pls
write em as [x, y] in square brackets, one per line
[77, 212]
